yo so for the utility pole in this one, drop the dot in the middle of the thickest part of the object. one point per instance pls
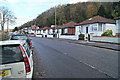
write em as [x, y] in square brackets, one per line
[55, 20]
[35, 28]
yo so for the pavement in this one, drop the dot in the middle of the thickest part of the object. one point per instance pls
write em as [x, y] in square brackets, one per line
[111, 46]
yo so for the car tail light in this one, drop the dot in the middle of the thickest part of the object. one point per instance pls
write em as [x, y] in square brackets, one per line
[27, 65]
[30, 44]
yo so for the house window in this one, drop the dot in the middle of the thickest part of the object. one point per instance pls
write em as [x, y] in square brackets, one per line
[94, 28]
[48, 31]
[65, 30]
[59, 31]
[43, 31]
[80, 29]
[100, 27]
[53, 30]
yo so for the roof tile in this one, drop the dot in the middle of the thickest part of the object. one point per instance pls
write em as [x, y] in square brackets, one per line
[70, 24]
[97, 19]
[33, 27]
[117, 18]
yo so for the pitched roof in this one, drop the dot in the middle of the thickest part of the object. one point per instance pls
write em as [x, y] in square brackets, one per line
[51, 28]
[70, 24]
[44, 28]
[33, 27]
[97, 19]
[48, 28]
[117, 18]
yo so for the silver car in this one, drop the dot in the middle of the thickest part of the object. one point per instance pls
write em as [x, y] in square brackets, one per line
[15, 59]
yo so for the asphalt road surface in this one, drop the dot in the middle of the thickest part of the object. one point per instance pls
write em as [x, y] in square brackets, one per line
[59, 59]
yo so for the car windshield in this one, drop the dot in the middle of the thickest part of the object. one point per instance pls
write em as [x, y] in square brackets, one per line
[10, 54]
[17, 37]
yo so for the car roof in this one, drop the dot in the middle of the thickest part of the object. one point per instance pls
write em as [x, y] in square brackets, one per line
[12, 42]
[19, 35]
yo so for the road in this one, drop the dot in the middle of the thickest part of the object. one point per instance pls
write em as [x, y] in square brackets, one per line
[60, 59]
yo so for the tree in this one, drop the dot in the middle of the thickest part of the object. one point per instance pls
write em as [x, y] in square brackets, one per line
[101, 11]
[6, 16]
[91, 10]
[116, 9]
[15, 29]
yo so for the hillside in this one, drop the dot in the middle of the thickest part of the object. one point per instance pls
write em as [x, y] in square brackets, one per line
[76, 12]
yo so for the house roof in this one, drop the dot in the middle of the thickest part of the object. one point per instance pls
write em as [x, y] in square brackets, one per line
[117, 18]
[70, 24]
[19, 30]
[47, 28]
[53, 27]
[33, 27]
[97, 19]
[44, 28]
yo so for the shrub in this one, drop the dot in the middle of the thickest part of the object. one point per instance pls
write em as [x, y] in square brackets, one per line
[39, 34]
[25, 32]
[4, 36]
[107, 33]
[81, 37]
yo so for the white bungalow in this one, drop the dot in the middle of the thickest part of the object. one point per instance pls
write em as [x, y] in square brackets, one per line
[95, 25]
[33, 30]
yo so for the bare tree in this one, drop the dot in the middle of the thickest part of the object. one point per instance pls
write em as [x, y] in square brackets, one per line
[6, 16]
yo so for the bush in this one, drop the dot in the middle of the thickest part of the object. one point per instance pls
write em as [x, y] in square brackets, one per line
[39, 34]
[107, 33]
[81, 37]
[25, 33]
[4, 36]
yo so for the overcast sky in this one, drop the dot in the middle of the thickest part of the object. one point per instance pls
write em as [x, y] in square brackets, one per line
[27, 10]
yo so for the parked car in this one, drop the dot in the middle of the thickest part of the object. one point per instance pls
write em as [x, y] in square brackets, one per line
[21, 37]
[16, 59]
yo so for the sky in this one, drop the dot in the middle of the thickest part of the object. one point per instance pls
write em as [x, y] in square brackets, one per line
[27, 10]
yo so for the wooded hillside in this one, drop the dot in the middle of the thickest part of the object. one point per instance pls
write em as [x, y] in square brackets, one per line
[76, 12]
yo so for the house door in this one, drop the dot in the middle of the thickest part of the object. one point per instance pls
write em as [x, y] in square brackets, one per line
[87, 33]
[62, 31]
[86, 29]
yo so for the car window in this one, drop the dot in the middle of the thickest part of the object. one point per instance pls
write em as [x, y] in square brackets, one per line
[10, 54]
[19, 37]
[26, 47]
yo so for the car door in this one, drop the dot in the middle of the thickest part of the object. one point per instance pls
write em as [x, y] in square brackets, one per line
[12, 65]
[29, 54]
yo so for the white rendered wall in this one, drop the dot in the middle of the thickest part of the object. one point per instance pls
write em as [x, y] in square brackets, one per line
[50, 36]
[38, 35]
[73, 37]
[111, 27]
[118, 26]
